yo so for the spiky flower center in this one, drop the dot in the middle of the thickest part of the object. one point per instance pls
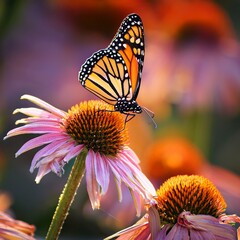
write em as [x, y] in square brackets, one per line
[195, 194]
[95, 125]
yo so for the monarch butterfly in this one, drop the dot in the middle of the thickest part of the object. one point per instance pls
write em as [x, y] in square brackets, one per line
[114, 73]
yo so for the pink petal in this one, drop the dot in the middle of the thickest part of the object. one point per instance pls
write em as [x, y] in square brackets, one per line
[230, 218]
[201, 235]
[44, 105]
[73, 152]
[130, 183]
[42, 171]
[39, 141]
[137, 201]
[50, 163]
[38, 120]
[154, 222]
[139, 230]
[59, 153]
[47, 150]
[129, 153]
[209, 224]
[163, 233]
[32, 129]
[57, 166]
[35, 112]
[178, 233]
[92, 186]
[115, 172]
[102, 172]
[141, 178]
[118, 185]
[124, 172]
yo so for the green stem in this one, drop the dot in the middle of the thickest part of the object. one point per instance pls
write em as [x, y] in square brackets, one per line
[67, 196]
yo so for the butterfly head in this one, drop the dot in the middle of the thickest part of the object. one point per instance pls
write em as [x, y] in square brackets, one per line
[125, 106]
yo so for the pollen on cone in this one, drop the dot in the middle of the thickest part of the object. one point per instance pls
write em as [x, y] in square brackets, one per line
[195, 194]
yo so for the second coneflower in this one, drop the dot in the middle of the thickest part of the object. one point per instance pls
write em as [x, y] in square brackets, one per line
[186, 207]
[90, 130]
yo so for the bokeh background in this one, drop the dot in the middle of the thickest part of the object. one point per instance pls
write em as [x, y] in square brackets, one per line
[191, 80]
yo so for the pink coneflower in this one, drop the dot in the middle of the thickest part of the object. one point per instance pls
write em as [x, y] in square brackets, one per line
[85, 126]
[11, 229]
[186, 207]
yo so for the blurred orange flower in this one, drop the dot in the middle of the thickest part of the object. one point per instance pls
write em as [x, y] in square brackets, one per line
[5, 201]
[175, 16]
[170, 156]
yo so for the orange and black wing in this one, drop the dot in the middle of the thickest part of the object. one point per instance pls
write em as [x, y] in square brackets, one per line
[115, 72]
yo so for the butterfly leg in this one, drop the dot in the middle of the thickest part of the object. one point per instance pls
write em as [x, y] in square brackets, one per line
[106, 110]
[129, 116]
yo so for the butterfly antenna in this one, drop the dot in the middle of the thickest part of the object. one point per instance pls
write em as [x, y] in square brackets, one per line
[150, 115]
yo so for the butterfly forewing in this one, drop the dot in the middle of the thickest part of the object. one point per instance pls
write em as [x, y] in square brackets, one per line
[129, 41]
[105, 76]
[115, 72]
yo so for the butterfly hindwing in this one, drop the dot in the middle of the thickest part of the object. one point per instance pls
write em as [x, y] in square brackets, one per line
[115, 72]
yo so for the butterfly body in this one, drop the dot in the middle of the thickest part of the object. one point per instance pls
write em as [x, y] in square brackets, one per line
[127, 106]
[114, 73]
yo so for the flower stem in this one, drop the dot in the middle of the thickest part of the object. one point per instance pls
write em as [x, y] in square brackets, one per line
[67, 196]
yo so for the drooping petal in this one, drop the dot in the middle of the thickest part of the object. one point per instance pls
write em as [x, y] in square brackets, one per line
[137, 201]
[47, 150]
[57, 166]
[92, 185]
[140, 177]
[42, 171]
[102, 172]
[154, 222]
[129, 153]
[73, 152]
[59, 153]
[118, 185]
[125, 175]
[39, 141]
[52, 163]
